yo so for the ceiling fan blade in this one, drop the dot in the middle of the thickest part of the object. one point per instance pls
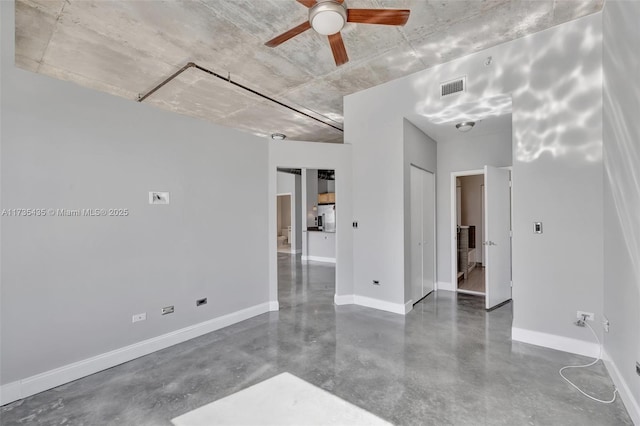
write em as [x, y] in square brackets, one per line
[289, 34]
[338, 49]
[308, 3]
[378, 16]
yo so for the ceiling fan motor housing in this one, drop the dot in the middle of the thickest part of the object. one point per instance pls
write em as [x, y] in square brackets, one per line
[327, 17]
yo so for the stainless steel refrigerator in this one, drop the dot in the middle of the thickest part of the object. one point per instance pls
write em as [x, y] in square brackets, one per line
[327, 213]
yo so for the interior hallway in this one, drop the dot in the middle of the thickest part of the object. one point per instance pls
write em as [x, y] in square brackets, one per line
[448, 362]
[474, 282]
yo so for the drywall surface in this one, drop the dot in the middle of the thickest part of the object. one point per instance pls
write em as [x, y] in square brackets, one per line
[313, 156]
[420, 151]
[472, 208]
[70, 284]
[311, 195]
[462, 153]
[555, 80]
[622, 195]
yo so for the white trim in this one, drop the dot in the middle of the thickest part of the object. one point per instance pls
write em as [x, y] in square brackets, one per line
[553, 341]
[10, 392]
[343, 299]
[320, 259]
[383, 305]
[443, 285]
[297, 251]
[49, 379]
[630, 403]
[274, 305]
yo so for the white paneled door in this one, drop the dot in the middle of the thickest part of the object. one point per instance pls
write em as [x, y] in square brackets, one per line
[423, 250]
[497, 244]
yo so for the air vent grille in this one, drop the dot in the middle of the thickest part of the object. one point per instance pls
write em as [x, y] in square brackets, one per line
[453, 86]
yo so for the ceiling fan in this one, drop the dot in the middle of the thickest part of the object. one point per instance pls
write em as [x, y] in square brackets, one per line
[328, 17]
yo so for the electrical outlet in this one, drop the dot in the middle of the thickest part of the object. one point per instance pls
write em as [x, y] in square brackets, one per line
[376, 282]
[139, 317]
[605, 324]
[201, 302]
[167, 310]
[590, 315]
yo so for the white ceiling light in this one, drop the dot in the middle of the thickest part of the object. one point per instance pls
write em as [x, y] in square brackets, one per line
[278, 136]
[465, 126]
[327, 17]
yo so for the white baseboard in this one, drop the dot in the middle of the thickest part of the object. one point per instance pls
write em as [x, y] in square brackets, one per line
[630, 403]
[561, 343]
[40, 382]
[320, 259]
[274, 306]
[442, 285]
[383, 305]
[345, 299]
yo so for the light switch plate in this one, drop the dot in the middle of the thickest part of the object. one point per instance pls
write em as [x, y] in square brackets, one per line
[156, 197]
[537, 227]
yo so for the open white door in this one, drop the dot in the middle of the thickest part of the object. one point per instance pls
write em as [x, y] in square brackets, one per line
[497, 244]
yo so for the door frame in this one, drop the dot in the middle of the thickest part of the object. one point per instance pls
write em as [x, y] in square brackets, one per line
[454, 226]
[292, 208]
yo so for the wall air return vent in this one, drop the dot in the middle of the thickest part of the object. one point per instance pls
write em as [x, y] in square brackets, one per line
[453, 86]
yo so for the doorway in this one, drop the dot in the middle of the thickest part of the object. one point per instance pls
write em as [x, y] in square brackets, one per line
[481, 233]
[470, 277]
[284, 226]
[423, 231]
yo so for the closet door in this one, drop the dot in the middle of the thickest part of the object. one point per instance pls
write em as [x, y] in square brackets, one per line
[416, 234]
[422, 233]
[428, 232]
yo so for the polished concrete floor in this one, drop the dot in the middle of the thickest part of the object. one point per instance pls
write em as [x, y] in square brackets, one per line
[448, 362]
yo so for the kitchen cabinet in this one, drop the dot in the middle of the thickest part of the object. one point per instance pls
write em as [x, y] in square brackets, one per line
[327, 198]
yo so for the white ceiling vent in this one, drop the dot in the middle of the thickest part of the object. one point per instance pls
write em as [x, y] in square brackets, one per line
[453, 86]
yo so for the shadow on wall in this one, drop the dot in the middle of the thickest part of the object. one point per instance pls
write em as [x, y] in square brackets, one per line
[623, 158]
[542, 124]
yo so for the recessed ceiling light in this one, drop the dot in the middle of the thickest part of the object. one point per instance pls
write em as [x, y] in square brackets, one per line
[278, 136]
[465, 126]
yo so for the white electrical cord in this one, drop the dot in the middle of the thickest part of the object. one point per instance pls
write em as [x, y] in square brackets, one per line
[615, 391]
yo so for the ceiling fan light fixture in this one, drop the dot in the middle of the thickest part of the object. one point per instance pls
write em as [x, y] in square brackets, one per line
[465, 126]
[327, 17]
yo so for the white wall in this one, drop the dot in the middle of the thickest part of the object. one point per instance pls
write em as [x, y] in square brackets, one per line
[311, 195]
[465, 151]
[310, 155]
[70, 285]
[622, 197]
[420, 151]
[555, 79]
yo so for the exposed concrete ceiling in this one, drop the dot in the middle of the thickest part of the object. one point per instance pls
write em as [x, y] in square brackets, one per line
[127, 47]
